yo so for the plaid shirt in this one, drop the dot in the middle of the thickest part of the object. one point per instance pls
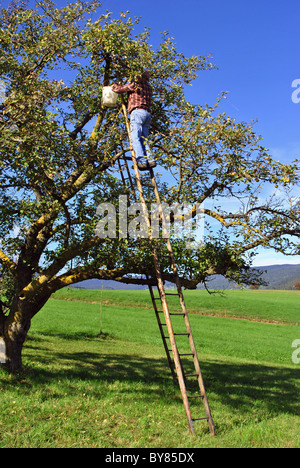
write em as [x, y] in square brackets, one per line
[139, 95]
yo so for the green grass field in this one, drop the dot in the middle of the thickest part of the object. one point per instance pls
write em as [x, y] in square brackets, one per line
[82, 390]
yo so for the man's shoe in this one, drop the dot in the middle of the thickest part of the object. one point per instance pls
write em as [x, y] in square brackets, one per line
[146, 165]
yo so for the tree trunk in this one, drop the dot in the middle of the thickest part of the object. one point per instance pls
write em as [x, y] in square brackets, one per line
[11, 354]
[15, 326]
[13, 332]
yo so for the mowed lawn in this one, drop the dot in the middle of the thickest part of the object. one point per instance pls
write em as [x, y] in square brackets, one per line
[79, 389]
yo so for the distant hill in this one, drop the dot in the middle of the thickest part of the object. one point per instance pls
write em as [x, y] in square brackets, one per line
[282, 276]
[106, 284]
[277, 277]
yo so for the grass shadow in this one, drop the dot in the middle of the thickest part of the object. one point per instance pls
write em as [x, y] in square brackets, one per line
[237, 386]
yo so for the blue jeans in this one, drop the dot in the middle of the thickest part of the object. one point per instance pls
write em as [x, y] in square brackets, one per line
[139, 127]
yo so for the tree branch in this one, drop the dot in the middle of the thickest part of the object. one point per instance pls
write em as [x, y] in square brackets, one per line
[7, 262]
[82, 124]
[68, 255]
[265, 239]
[89, 173]
[79, 274]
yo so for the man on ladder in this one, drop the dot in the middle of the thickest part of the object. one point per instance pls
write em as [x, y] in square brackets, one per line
[139, 102]
[139, 107]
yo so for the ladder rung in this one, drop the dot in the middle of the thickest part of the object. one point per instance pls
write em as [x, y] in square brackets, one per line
[199, 419]
[178, 313]
[172, 294]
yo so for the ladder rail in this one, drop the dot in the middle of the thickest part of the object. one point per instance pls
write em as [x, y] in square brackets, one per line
[160, 325]
[160, 284]
[184, 310]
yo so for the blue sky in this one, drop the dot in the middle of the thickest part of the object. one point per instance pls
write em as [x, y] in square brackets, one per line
[255, 45]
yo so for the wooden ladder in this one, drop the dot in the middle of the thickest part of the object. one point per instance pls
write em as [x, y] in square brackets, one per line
[166, 327]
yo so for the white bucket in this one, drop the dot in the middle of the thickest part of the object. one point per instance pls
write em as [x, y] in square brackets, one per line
[109, 98]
